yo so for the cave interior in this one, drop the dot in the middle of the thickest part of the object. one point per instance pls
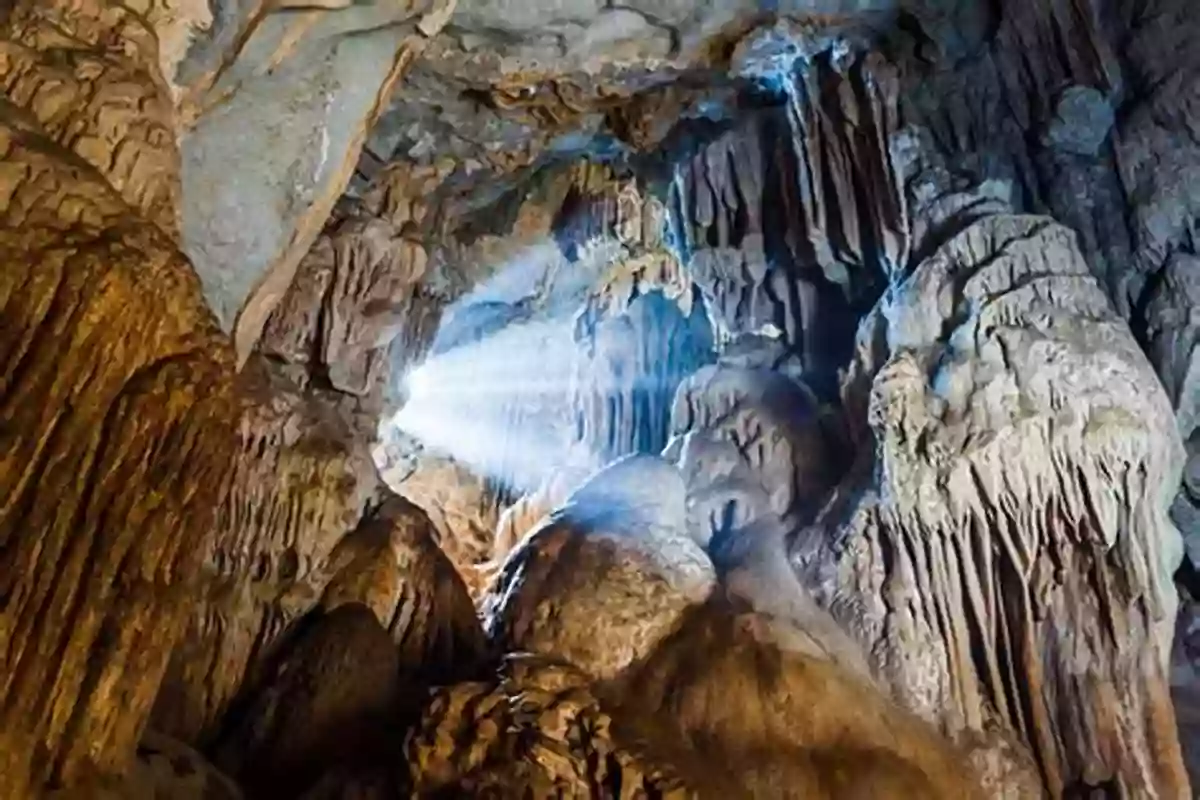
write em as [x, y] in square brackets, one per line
[688, 399]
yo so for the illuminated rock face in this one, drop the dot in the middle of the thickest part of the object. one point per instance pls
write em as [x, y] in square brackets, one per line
[1002, 393]
[435, 398]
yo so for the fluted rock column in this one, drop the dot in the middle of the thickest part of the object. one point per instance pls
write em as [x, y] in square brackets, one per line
[115, 400]
[1007, 557]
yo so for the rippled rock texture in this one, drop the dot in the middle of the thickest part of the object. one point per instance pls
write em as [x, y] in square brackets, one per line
[655, 399]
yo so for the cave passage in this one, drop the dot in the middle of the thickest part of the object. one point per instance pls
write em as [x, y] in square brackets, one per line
[529, 374]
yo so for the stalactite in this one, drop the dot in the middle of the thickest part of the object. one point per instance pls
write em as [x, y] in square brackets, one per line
[736, 205]
[627, 373]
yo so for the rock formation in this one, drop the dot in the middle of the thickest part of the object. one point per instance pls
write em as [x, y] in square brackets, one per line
[658, 399]
[998, 382]
[619, 546]
[117, 394]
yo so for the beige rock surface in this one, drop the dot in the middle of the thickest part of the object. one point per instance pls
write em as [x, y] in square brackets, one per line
[606, 576]
[1012, 548]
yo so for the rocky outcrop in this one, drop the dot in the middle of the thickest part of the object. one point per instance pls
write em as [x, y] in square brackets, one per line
[464, 509]
[354, 293]
[392, 564]
[759, 463]
[841, 103]
[627, 372]
[606, 577]
[734, 203]
[1173, 336]
[779, 722]
[163, 768]
[750, 443]
[1010, 562]
[330, 702]
[527, 513]
[298, 485]
[697, 681]
[539, 731]
[257, 200]
[934, 557]
[307, 526]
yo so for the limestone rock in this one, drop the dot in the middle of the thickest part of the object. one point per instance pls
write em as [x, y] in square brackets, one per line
[606, 576]
[329, 701]
[758, 464]
[299, 484]
[392, 564]
[744, 244]
[842, 108]
[1172, 325]
[1171, 333]
[538, 731]
[1158, 162]
[463, 509]
[628, 371]
[1009, 546]
[256, 200]
[778, 722]
[1082, 121]
[1185, 673]
[525, 515]
[750, 445]
[596, 183]
[164, 769]
[352, 295]
[116, 402]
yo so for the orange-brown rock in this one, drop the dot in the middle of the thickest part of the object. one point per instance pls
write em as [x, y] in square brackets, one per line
[115, 396]
[164, 769]
[727, 691]
[463, 509]
[537, 731]
[352, 295]
[606, 576]
[299, 484]
[392, 564]
[329, 701]
[525, 515]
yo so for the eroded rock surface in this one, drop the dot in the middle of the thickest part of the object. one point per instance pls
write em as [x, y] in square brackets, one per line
[606, 576]
[392, 564]
[1014, 550]
[780, 722]
[299, 484]
[115, 399]
[283, 101]
[537, 730]
[163, 768]
[956, 570]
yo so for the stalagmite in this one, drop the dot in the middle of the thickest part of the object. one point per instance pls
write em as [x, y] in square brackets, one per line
[606, 576]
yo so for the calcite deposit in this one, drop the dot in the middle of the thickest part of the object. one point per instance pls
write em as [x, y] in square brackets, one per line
[511, 398]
